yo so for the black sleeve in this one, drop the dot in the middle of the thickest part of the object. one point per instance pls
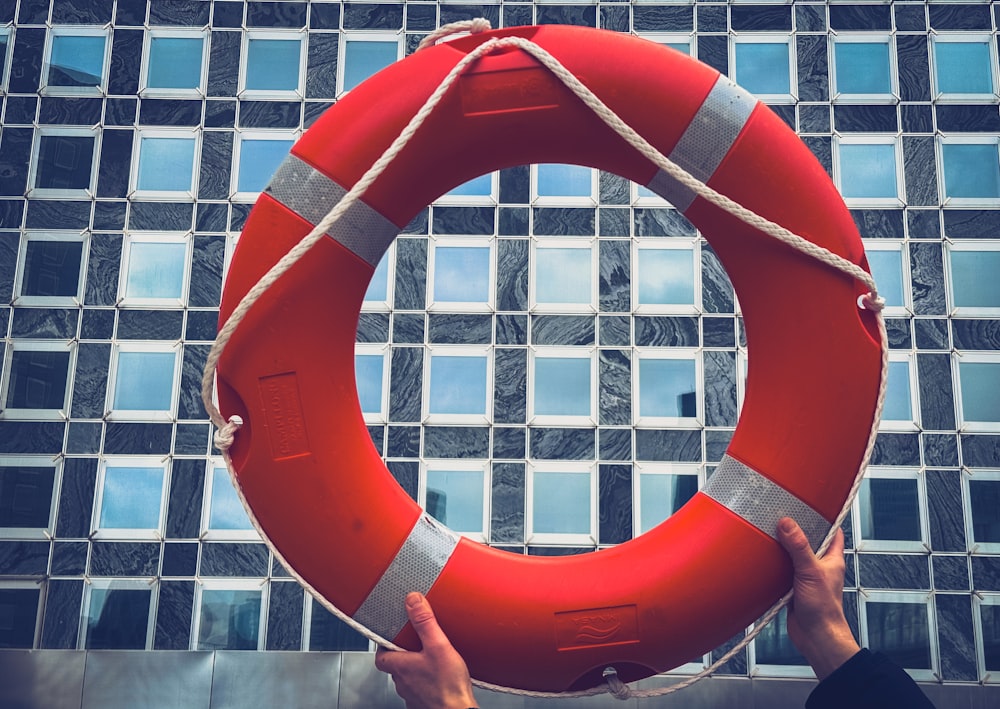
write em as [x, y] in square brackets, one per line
[868, 681]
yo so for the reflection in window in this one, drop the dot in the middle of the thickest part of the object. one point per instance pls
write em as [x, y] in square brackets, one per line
[378, 286]
[974, 281]
[458, 384]
[26, 496]
[773, 646]
[144, 381]
[980, 382]
[901, 631]
[563, 275]
[971, 170]
[667, 387]
[38, 379]
[561, 503]
[117, 618]
[225, 511]
[52, 268]
[330, 633]
[898, 403]
[990, 620]
[868, 170]
[365, 57]
[887, 269]
[229, 619]
[558, 180]
[455, 498]
[156, 270]
[175, 62]
[984, 501]
[76, 60]
[18, 616]
[165, 164]
[4, 43]
[368, 371]
[763, 67]
[889, 509]
[65, 162]
[481, 186]
[461, 274]
[963, 67]
[862, 67]
[131, 497]
[273, 64]
[666, 276]
[562, 386]
[259, 160]
[661, 495]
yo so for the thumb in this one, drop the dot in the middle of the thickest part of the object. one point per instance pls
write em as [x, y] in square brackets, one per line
[421, 616]
[794, 541]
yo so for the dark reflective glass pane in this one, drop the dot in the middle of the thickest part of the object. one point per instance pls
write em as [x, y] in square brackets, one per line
[900, 631]
[64, 162]
[230, 620]
[328, 632]
[52, 268]
[37, 380]
[3, 52]
[25, 496]
[889, 509]
[118, 619]
[991, 637]
[984, 498]
[18, 615]
[773, 647]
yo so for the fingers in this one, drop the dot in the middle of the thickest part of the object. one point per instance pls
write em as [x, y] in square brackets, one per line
[422, 618]
[795, 542]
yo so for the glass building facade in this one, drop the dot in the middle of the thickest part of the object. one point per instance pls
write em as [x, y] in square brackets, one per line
[550, 359]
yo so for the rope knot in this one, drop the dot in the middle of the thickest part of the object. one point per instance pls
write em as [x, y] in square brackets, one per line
[616, 688]
[474, 26]
[226, 434]
[872, 301]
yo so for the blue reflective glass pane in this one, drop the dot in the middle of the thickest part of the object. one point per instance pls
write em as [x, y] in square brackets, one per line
[131, 498]
[887, 269]
[455, 498]
[898, 406]
[368, 372]
[145, 381]
[868, 170]
[667, 388]
[166, 164]
[971, 170]
[481, 186]
[462, 274]
[118, 619]
[862, 67]
[562, 386]
[762, 68]
[76, 60]
[975, 279]
[564, 181]
[666, 276]
[458, 385]
[273, 64]
[561, 503]
[889, 509]
[362, 58]
[230, 620]
[900, 630]
[662, 495]
[259, 160]
[984, 502]
[378, 286]
[963, 67]
[227, 512]
[175, 62]
[682, 47]
[563, 275]
[980, 384]
[155, 270]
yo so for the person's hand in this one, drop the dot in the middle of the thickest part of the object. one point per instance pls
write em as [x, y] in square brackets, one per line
[434, 678]
[816, 622]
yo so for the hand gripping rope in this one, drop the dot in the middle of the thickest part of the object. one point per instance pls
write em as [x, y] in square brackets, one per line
[870, 301]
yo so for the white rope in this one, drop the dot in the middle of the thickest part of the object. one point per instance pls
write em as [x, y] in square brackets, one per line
[870, 301]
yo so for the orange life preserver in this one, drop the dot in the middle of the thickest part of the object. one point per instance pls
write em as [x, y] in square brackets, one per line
[305, 462]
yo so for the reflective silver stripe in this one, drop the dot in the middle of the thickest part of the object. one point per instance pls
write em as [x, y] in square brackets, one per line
[311, 194]
[417, 565]
[707, 140]
[762, 502]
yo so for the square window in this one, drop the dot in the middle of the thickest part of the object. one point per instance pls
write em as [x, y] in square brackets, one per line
[64, 162]
[18, 615]
[76, 61]
[175, 63]
[979, 382]
[971, 170]
[229, 618]
[225, 515]
[165, 164]
[117, 616]
[4, 46]
[457, 384]
[130, 498]
[564, 277]
[377, 293]
[38, 379]
[155, 271]
[461, 274]
[273, 63]
[665, 277]
[561, 181]
[259, 156]
[984, 507]
[868, 171]
[763, 68]
[364, 57]
[889, 511]
[772, 646]
[989, 624]
[327, 632]
[667, 387]
[972, 272]
[561, 505]
[26, 492]
[143, 381]
[886, 264]
[456, 498]
[963, 68]
[898, 625]
[862, 68]
[369, 371]
[898, 407]
[51, 270]
[563, 385]
[661, 494]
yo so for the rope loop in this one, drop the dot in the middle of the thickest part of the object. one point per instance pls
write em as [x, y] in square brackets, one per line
[871, 301]
[616, 688]
[477, 25]
[226, 434]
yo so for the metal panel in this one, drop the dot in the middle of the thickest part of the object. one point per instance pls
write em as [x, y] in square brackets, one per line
[361, 685]
[130, 679]
[41, 679]
[298, 680]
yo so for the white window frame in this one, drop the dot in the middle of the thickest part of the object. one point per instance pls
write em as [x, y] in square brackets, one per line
[230, 585]
[154, 238]
[981, 139]
[37, 346]
[980, 599]
[564, 201]
[547, 352]
[768, 38]
[213, 467]
[113, 414]
[490, 199]
[299, 90]
[666, 38]
[36, 151]
[486, 306]
[165, 195]
[913, 424]
[672, 469]
[99, 532]
[379, 349]
[274, 135]
[145, 90]
[451, 465]
[892, 140]
[545, 243]
[7, 54]
[363, 36]
[457, 351]
[22, 263]
[924, 598]
[35, 461]
[763, 669]
[977, 245]
[75, 31]
[676, 353]
[668, 244]
[957, 359]
[894, 545]
[551, 538]
[904, 266]
[742, 370]
[17, 584]
[963, 38]
[838, 96]
[383, 306]
[137, 584]
[968, 476]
